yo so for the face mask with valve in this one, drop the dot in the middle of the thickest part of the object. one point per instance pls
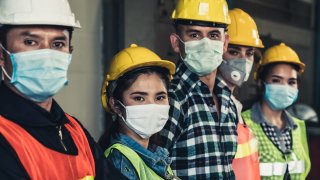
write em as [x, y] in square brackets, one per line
[236, 71]
[145, 120]
[202, 56]
[279, 96]
[38, 74]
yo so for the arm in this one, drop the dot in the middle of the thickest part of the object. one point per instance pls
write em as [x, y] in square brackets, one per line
[10, 165]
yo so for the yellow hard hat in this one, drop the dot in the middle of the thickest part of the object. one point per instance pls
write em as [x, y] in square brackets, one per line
[128, 59]
[243, 30]
[279, 53]
[215, 11]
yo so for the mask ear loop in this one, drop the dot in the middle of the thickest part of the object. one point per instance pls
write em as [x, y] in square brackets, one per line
[182, 43]
[3, 70]
[120, 115]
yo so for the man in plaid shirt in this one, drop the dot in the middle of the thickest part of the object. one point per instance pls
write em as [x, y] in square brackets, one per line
[201, 131]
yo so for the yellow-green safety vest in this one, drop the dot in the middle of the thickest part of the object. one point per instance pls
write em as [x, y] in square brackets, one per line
[144, 172]
[273, 163]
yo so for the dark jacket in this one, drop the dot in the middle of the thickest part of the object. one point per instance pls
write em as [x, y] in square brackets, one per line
[42, 125]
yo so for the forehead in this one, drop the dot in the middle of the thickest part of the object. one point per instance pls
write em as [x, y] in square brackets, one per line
[17, 31]
[147, 82]
[284, 70]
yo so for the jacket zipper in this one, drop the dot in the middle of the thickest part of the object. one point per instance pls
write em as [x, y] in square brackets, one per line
[61, 138]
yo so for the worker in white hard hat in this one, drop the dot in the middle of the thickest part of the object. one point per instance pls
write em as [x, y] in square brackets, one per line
[201, 131]
[38, 140]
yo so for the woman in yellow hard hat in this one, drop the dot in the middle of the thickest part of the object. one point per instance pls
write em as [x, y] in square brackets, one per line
[235, 70]
[135, 91]
[283, 148]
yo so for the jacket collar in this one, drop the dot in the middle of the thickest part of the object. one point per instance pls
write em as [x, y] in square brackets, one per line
[258, 117]
[25, 112]
[155, 157]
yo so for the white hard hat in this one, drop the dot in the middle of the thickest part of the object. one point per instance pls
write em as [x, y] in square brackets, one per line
[37, 12]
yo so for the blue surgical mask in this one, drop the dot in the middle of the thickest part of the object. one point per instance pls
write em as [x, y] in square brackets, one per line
[39, 74]
[203, 56]
[279, 96]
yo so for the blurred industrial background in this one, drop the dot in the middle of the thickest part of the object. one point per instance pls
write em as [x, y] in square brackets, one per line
[110, 25]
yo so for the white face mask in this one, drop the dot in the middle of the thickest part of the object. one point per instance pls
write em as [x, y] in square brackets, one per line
[203, 56]
[146, 120]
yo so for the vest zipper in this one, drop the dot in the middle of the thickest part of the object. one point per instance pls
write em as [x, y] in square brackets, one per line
[61, 138]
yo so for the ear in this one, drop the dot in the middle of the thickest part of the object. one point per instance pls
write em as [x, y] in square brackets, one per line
[70, 49]
[226, 43]
[259, 84]
[114, 105]
[175, 42]
[1, 57]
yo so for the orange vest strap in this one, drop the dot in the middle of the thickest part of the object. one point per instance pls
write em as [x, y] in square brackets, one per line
[246, 162]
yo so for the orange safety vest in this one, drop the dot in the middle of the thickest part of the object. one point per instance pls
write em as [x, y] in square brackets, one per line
[246, 162]
[41, 162]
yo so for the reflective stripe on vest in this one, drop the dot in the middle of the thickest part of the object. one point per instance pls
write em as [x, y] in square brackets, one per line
[277, 169]
[246, 162]
[144, 172]
[41, 162]
[88, 178]
[246, 149]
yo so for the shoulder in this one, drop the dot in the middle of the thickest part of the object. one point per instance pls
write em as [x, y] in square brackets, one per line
[246, 116]
[122, 164]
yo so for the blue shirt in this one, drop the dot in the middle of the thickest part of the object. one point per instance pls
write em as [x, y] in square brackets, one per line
[155, 157]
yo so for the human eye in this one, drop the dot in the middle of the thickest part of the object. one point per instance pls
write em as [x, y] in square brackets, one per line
[194, 36]
[275, 80]
[233, 52]
[58, 45]
[292, 82]
[30, 42]
[138, 98]
[249, 54]
[161, 97]
[214, 36]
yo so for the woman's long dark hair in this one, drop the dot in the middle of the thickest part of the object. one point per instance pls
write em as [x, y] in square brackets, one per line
[116, 90]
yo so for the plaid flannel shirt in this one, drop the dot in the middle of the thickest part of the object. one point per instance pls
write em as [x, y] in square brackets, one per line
[202, 144]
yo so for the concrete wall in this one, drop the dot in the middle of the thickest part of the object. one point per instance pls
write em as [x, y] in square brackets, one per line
[140, 23]
[81, 98]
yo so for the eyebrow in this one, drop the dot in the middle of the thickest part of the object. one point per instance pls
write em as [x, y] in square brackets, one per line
[145, 93]
[238, 48]
[192, 31]
[29, 34]
[234, 47]
[282, 77]
[215, 31]
[162, 93]
[277, 76]
[139, 93]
